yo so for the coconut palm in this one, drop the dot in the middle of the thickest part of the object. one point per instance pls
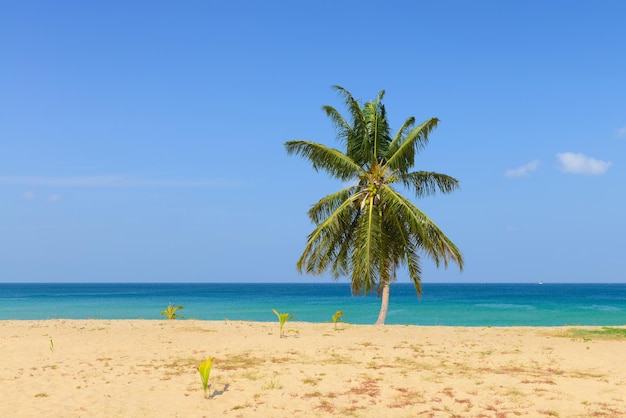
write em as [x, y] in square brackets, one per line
[368, 229]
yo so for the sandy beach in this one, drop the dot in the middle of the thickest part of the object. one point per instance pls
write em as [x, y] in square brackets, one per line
[148, 368]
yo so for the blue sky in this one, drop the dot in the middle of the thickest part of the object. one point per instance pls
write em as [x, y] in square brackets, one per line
[143, 141]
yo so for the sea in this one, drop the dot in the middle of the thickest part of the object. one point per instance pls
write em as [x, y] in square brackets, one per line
[448, 304]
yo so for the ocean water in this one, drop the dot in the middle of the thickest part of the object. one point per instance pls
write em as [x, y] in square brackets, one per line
[466, 304]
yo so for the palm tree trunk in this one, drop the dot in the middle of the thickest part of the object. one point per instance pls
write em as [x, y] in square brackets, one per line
[384, 305]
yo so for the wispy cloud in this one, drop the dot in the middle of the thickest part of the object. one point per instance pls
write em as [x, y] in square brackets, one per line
[114, 181]
[621, 132]
[581, 164]
[28, 195]
[523, 170]
[54, 198]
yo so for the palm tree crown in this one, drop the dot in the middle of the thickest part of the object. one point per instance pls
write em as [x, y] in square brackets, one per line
[368, 229]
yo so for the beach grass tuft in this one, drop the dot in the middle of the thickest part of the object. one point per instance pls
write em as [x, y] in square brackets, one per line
[273, 385]
[241, 361]
[604, 333]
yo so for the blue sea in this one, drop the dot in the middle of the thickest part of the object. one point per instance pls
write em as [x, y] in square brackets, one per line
[467, 304]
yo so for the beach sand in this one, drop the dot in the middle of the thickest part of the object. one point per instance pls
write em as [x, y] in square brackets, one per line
[148, 368]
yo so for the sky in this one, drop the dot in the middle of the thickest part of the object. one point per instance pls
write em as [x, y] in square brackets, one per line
[144, 141]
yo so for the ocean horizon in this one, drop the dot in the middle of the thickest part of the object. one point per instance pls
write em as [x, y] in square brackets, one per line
[449, 304]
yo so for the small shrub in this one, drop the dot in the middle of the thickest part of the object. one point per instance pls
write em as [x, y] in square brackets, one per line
[205, 371]
[282, 318]
[337, 317]
[170, 311]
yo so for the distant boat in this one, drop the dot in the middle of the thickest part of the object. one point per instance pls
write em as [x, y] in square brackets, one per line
[540, 282]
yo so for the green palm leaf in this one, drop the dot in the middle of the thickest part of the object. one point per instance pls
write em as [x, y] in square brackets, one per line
[402, 149]
[427, 183]
[333, 161]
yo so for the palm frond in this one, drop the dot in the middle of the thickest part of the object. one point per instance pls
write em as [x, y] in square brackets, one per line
[408, 251]
[327, 254]
[427, 235]
[320, 247]
[399, 136]
[376, 140]
[333, 161]
[426, 183]
[403, 149]
[415, 269]
[342, 126]
[367, 250]
[327, 205]
[353, 106]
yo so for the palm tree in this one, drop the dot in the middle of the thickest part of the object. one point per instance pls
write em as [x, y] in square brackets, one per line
[368, 230]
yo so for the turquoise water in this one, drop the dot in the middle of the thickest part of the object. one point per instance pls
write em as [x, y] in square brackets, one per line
[442, 304]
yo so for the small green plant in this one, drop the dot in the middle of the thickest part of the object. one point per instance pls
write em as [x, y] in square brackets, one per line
[170, 311]
[51, 345]
[604, 333]
[272, 384]
[205, 371]
[337, 317]
[282, 318]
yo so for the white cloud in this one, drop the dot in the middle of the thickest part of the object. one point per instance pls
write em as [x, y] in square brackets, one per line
[28, 195]
[523, 170]
[581, 164]
[620, 132]
[54, 198]
[113, 181]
